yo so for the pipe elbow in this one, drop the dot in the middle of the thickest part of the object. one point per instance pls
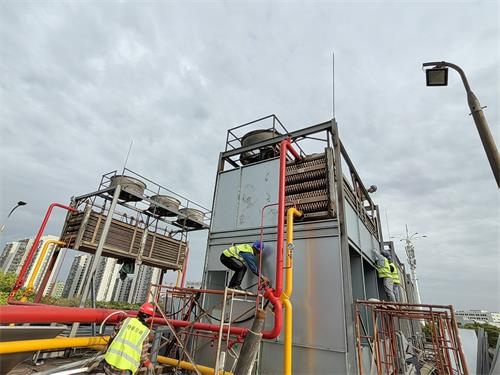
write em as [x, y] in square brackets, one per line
[278, 315]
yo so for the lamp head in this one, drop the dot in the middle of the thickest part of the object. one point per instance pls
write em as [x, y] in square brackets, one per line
[437, 76]
[21, 203]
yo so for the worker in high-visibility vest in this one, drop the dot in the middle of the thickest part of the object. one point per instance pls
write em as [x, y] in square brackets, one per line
[128, 349]
[238, 258]
[384, 272]
[395, 279]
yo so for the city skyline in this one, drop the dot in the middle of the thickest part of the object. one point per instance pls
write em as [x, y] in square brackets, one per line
[108, 285]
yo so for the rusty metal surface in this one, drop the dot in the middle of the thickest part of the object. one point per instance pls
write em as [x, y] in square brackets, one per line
[17, 333]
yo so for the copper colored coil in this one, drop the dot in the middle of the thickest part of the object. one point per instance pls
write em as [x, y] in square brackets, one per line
[306, 176]
[313, 206]
[305, 186]
[304, 164]
[308, 194]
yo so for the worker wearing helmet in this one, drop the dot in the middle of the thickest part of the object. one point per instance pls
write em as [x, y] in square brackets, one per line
[237, 258]
[395, 279]
[128, 348]
[384, 273]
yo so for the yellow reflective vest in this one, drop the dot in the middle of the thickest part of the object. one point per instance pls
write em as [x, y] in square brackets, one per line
[385, 270]
[394, 273]
[234, 251]
[125, 350]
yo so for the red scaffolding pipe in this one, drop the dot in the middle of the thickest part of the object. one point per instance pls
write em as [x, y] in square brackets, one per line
[20, 279]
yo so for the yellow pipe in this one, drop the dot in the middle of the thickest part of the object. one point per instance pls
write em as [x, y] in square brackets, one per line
[29, 288]
[287, 293]
[188, 366]
[56, 343]
[179, 273]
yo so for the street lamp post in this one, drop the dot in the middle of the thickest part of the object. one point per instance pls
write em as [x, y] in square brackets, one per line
[438, 76]
[19, 204]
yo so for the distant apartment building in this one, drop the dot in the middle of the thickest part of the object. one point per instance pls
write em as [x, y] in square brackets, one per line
[54, 276]
[8, 254]
[135, 292]
[76, 276]
[144, 277]
[106, 274]
[55, 289]
[15, 254]
[121, 290]
[477, 316]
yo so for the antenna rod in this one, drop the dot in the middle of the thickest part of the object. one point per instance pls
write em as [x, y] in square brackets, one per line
[333, 84]
[128, 154]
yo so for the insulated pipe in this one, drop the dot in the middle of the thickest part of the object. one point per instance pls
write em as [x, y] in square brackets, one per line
[284, 146]
[285, 297]
[38, 265]
[179, 272]
[188, 366]
[8, 347]
[251, 345]
[20, 279]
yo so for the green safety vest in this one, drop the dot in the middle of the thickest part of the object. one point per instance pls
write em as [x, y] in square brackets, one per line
[385, 270]
[125, 350]
[234, 251]
[394, 274]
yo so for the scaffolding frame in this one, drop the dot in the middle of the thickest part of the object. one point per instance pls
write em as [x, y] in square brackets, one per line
[180, 303]
[442, 350]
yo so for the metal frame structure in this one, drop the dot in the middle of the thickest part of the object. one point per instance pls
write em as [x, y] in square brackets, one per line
[344, 190]
[326, 132]
[152, 224]
[445, 353]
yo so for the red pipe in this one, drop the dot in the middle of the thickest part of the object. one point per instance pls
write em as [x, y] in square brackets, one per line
[21, 279]
[49, 314]
[284, 146]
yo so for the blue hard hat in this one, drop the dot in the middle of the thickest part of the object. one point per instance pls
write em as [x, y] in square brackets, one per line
[257, 246]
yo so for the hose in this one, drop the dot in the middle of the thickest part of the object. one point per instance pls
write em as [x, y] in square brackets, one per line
[106, 318]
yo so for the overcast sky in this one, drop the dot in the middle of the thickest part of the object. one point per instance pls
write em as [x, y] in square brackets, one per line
[80, 80]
